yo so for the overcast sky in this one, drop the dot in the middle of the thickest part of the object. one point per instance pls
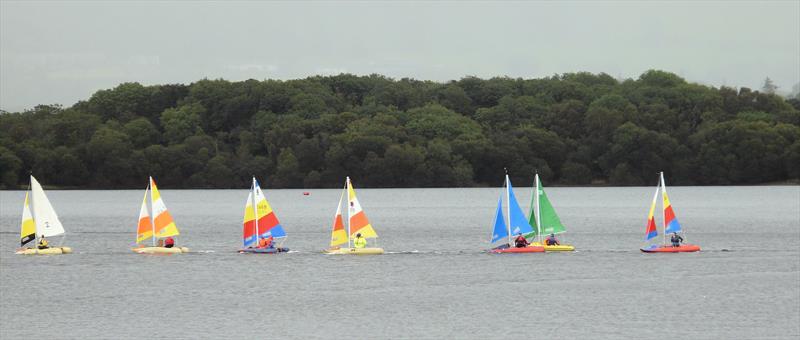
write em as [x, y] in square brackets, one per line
[63, 51]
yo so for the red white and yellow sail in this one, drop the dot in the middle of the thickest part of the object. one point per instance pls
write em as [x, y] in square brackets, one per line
[164, 224]
[144, 230]
[359, 224]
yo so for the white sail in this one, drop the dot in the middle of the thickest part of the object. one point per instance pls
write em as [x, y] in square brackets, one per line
[47, 223]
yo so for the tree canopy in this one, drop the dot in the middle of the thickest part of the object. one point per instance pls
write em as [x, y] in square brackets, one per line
[573, 129]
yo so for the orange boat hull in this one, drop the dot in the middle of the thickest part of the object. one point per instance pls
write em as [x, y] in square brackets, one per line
[528, 249]
[684, 248]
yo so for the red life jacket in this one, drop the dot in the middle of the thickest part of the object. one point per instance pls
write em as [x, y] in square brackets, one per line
[265, 242]
[169, 242]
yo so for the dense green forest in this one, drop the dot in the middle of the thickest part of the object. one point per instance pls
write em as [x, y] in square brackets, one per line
[574, 129]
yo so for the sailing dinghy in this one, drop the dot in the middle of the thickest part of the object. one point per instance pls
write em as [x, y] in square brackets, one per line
[671, 225]
[517, 224]
[357, 223]
[544, 217]
[260, 222]
[42, 223]
[155, 224]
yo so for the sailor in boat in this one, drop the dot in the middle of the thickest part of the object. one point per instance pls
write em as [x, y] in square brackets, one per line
[676, 240]
[520, 241]
[551, 240]
[43, 244]
[266, 243]
[360, 242]
[169, 242]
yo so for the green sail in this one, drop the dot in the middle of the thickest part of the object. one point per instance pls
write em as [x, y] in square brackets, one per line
[551, 224]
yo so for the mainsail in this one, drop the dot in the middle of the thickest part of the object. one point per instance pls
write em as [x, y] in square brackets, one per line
[671, 224]
[268, 224]
[44, 216]
[549, 222]
[518, 224]
[164, 224]
[359, 224]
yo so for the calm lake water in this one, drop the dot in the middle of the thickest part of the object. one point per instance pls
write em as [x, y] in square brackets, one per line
[436, 280]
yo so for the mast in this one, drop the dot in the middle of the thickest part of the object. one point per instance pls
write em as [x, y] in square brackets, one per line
[538, 209]
[508, 208]
[663, 208]
[33, 212]
[347, 190]
[255, 211]
[152, 218]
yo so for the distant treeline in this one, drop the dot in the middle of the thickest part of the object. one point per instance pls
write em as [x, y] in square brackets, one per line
[574, 129]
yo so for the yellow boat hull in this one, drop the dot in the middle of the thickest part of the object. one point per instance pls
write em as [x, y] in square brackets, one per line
[160, 250]
[355, 251]
[558, 247]
[48, 251]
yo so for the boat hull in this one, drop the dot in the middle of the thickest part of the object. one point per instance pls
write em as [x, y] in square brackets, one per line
[514, 250]
[160, 250]
[683, 248]
[48, 251]
[355, 251]
[557, 247]
[263, 250]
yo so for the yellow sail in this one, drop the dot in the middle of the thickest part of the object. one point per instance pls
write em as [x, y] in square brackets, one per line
[164, 224]
[27, 231]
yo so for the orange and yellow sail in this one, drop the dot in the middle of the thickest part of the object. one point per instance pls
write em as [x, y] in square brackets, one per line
[338, 234]
[161, 224]
[144, 230]
[359, 224]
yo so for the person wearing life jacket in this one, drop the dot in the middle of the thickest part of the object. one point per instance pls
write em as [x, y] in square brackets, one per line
[43, 244]
[676, 240]
[551, 240]
[520, 241]
[360, 242]
[266, 242]
[169, 242]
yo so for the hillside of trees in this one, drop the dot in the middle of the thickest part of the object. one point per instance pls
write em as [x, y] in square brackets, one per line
[574, 129]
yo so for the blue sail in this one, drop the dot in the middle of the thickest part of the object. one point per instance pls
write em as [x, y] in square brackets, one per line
[519, 223]
[500, 231]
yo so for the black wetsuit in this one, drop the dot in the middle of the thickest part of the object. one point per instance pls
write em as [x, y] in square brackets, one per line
[676, 240]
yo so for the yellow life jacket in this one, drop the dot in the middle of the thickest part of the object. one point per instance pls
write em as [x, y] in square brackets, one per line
[360, 242]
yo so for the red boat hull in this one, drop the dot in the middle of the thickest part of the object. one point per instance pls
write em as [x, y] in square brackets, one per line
[683, 248]
[528, 249]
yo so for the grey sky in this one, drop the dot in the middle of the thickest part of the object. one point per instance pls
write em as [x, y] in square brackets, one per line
[62, 52]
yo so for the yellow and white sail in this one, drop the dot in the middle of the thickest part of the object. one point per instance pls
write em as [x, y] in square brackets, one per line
[27, 230]
[163, 222]
[359, 224]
